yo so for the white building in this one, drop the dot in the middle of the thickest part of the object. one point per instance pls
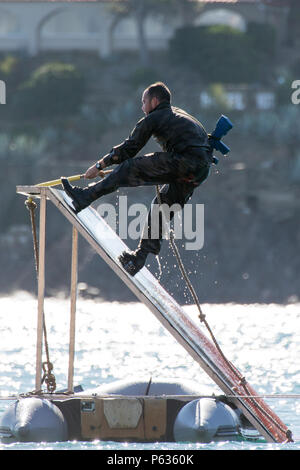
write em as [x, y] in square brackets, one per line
[35, 26]
[64, 25]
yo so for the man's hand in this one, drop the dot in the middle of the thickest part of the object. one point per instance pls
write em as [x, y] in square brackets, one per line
[93, 172]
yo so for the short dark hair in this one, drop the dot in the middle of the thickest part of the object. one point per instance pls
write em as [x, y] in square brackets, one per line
[160, 91]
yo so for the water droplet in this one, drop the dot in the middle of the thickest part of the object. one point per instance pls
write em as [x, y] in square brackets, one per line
[159, 267]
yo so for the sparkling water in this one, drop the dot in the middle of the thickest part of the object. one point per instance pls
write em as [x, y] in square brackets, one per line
[125, 341]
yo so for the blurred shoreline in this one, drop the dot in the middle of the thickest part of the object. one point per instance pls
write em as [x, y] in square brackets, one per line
[251, 199]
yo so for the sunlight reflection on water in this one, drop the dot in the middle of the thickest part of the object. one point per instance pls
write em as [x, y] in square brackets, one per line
[125, 341]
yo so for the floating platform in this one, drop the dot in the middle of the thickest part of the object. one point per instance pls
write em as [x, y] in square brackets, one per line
[166, 411]
[147, 289]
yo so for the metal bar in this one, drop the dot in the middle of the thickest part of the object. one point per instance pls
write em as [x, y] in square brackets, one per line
[41, 291]
[73, 294]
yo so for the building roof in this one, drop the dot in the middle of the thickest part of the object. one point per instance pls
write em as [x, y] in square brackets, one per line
[266, 2]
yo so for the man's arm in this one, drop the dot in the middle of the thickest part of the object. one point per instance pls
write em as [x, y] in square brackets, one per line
[134, 143]
[127, 149]
[96, 169]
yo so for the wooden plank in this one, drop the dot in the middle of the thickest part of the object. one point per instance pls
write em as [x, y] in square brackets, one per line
[29, 190]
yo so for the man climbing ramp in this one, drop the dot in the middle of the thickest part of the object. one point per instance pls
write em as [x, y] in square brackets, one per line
[183, 165]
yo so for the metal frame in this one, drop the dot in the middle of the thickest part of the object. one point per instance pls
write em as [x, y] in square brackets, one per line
[173, 319]
[42, 194]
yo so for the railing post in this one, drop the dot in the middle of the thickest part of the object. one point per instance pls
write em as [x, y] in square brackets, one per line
[41, 290]
[73, 308]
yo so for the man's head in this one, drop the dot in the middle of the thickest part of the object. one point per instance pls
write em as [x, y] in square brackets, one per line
[154, 95]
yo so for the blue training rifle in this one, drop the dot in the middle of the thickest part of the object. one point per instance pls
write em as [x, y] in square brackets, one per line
[222, 127]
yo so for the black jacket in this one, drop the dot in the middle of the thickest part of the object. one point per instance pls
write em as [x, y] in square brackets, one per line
[175, 130]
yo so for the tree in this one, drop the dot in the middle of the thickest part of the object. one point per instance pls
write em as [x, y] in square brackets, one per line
[187, 10]
[293, 19]
[220, 53]
[140, 10]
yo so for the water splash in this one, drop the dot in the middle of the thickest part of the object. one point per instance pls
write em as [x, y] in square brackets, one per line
[159, 267]
[124, 340]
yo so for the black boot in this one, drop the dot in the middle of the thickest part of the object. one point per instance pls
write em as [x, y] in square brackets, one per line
[134, 261]
[81, 197]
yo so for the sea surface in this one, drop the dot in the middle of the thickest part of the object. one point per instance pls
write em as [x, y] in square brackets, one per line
[125, 341]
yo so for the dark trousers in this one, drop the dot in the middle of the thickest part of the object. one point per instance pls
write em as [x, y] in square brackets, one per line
[180, 175]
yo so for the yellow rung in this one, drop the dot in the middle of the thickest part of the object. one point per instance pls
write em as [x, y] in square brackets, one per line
[58, 181]
[71, 178]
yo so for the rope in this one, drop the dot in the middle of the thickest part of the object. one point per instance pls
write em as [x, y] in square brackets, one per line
[242, 380]
[48, 377]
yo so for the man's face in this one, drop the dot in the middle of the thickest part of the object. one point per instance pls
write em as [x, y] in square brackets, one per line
[148, 104]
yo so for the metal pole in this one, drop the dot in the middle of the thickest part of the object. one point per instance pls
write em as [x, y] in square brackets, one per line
[73, 308]
[41, 291]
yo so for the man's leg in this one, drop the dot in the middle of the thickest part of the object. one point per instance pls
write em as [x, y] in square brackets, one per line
[156, 168]
[175, 195]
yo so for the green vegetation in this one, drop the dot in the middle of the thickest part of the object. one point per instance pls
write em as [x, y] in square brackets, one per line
[73, 101]
[66, 109]
[8, 65]
[52, 90]
[224, 54]
[142, 76]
